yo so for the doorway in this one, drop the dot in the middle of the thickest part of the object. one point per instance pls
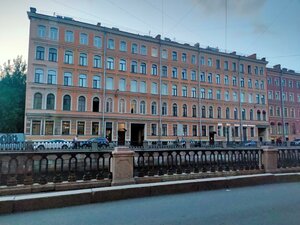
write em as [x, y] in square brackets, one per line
[137, 134]
[121, 133]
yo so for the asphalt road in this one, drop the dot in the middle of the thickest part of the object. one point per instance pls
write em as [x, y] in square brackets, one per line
[276, 204]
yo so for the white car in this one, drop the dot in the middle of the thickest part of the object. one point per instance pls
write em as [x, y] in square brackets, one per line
[52, 144]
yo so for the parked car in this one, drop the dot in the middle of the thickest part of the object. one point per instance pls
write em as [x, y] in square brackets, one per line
[52, 144]
[101, 141]
[250, 144]
[295, 142]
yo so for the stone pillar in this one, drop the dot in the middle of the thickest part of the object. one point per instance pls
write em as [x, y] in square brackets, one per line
[122, 166]
[224, 144]
[270, 159]
[188, 144]
[94, 146]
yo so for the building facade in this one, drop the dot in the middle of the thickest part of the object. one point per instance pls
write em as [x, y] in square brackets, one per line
[284, 98]
[90, 80]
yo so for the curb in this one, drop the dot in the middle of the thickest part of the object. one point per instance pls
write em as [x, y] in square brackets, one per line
[38, 201]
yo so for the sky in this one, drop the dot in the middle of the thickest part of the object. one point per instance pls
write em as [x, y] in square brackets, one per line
[269, 28]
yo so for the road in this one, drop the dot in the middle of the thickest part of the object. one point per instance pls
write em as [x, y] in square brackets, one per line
[275, 204]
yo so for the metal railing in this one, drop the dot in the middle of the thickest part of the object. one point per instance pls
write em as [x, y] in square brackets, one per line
[55, 166]
[288, 158]
[161, 162]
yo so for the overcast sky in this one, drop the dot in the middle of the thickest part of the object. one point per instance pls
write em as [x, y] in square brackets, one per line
[270, 28]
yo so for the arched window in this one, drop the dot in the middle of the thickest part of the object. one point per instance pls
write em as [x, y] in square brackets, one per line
[51, 77]
[122, 65]
[81, 104]
[50, 101]
[184, 110]
[39, 76]
[203, 112]
[227, 113]
[279, 128]
[273, 128]
[211, 112]
[194, 93]
[142, 107]
[133, 107]
[153, 108]
[122, 106]
[97, 61]
[258, 115]
[154, 69]
[219, 113]
[96, 104]
[143, 68]
[67, 103]
[40, 53]
[202, 93]
[110, 63]
[174, 108]
[96, 82]
[109, 105]
[164, 109]
[184, 91]
[235, 114]
[251, 114]
[37, 101]
[52, 54]
[68, 57]
[83, 59]
[194, 111]
[174, 90]
[243, 114]
[133, 67]
[264, 115]
[82, 80]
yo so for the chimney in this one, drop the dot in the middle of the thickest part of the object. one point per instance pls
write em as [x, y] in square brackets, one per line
[98, 24]
[277, 67]
[158, 36]
[32, 10]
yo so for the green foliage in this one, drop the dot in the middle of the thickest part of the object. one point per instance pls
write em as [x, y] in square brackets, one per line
[12, 97]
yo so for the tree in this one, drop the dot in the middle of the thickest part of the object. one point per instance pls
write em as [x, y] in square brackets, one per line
[12, 96]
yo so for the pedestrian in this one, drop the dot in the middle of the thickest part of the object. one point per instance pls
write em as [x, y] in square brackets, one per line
[75, 141]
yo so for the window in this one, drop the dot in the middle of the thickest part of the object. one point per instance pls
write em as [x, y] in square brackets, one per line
[218, 94]
[234, 83]
[219, 113]
[250, 98]
[258, 117]
[52, 55]
[264, 115]
[143, 87]
[39, 76]
[174, 90]
[193, 59]
[109, 83]
[261, 71]
[122, 65]
[80, 127]
[164, 54]
[37, 101]
[53, 34]
[50, 102]
[242, 82]
[210, 112]
[142, 107]
[256, 84]
[110, 63]
[203, 112]
[51, 77]
[183, 74]
[143, 68]
[218, 79]
[227, 97]
[122, 84]
[143, 50]
[164, 89]
[122, 106]
[227, 113]
[174, 72]
[218, 63]
[194, 111]
[194, 93]
[184, 91]
[67, 79]
[185, 130]
[209, 78]
[67, 103]
[36, 127]
[123, 46]
[174, 109]
[154, 69]
[134, 48]
[257, 99]
[68, 57]
[83, 59]
[95, 128]
[65, 127]
[242, 96]
[81, 104]
[69, 36]
[184, 110]
[202, 77]
[97, 61]
[82, 80]
[209, 62]
[234, 66]
[202, 93]
[256, 70]
[202, 60]
[41, 31]
[225, 65]
[203, 132]
[271, 111]
[241, 68]
[249, 83]
[154, 52]
[290, 83]
[109, 105]
[174, 129]
[133, 86]
[234, 96]
[235, 114]
[164, 130]
[153, 88]
[174, 56]
[133, 107]
[111, 44]
[262, 85]
[40, 53]
[153, 129]
[83, 39]
[153, 108]
[183, 57]
[193, 75]
[133, 67]
[164, 71]
[249, 69]
[251, 114]
[243, 114]
[226, 80]
[278, 111]
[210, 94]
[97, 42]
[164, 109]
[49, 127]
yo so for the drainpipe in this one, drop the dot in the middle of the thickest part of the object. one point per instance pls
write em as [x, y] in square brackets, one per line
[199, 96]
[282, 106]
[240, 102]
[104, 86]
[160, 100]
